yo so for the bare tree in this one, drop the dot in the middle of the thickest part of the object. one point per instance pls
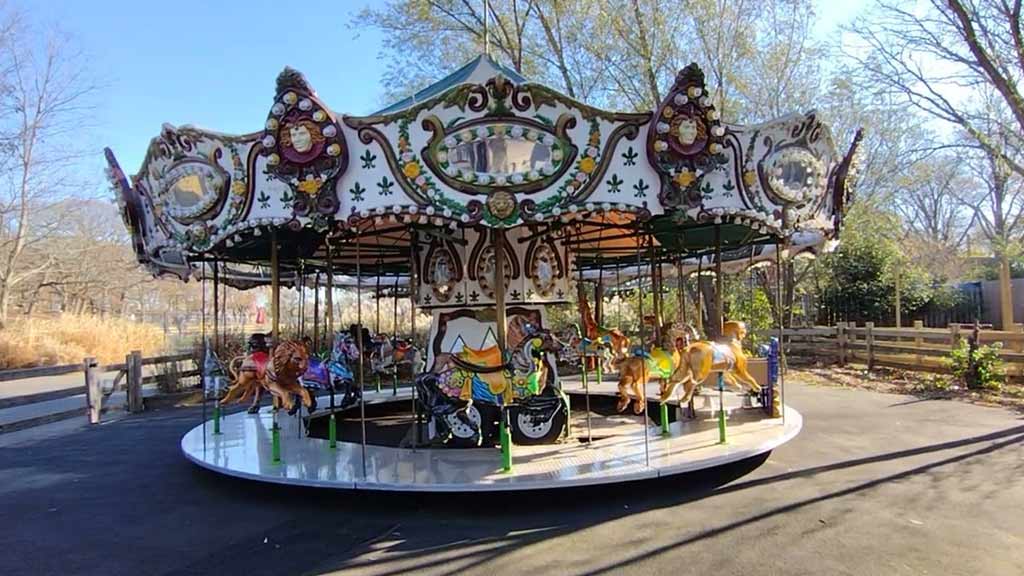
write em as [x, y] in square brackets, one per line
[940, 55]
[44, 101]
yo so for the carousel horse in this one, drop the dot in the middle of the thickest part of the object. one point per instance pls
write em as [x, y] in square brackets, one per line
[699, 359]
[636, 370]
[279, 372]
[482, 374]
[388, 355]
[575, 346]
[247, 373]
[613, 339]
[335, 373]
[667, 362]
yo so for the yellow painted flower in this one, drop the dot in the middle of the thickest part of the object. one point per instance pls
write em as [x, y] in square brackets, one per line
[750, 178]
[587, 165]
[310, 186]
[685, 178]
[238, 187]
[411, 170]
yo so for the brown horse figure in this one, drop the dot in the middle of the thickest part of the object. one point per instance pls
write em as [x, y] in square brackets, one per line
[699, 359]
[613, 339]
[661, 363]
[278, 372]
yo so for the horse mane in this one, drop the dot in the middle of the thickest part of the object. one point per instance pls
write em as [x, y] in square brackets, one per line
[284, 351]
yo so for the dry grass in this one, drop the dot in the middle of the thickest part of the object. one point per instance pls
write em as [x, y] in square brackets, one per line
[67, 339]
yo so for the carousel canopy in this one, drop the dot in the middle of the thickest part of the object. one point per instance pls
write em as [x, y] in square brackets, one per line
[484, 148]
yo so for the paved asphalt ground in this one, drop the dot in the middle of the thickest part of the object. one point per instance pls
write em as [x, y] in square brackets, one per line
[875, 484]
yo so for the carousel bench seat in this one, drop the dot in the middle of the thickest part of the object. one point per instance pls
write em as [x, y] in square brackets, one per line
[489, 357]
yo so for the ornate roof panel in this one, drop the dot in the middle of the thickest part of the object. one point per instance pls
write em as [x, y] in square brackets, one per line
[481, 148]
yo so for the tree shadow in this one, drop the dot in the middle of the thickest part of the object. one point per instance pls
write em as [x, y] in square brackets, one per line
[135, 476]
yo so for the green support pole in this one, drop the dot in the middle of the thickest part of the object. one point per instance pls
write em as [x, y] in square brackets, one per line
[275, 439]
[394, 382]
[333, 432]
[216, 419]
[664, 420]
[506, 443]
[721, 409]
[378, 382]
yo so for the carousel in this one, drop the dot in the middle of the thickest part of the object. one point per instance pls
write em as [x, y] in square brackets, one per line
[487, 203]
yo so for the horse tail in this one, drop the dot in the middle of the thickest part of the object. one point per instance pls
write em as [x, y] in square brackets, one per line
[234, 366]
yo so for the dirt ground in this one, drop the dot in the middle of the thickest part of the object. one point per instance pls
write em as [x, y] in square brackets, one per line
[925, 385]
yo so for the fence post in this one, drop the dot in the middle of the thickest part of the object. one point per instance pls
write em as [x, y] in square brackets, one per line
[918, 342]
[869, 341]
[841, 342]
[133, 363]
[169, 381]
[93, 391]
[954, 336]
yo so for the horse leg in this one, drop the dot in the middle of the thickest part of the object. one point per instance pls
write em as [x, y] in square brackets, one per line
[281, 396]
[695, 378]
[232, 394]
[640, 394]
[625, 381]
[257, 393]
[740, 371]
[308, 400]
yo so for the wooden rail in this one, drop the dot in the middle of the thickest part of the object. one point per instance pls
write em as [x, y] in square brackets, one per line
[130, 371]
[915, 347]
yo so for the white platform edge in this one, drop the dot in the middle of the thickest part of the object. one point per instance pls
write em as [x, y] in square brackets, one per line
[632, 471]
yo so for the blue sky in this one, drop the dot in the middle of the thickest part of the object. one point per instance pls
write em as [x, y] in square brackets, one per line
[213, 63]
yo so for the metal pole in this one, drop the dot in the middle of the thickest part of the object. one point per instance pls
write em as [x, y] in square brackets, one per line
[782, 345]
[216, 305]
[413, 288]
[700, 297]
[376, 322]
[643, 358]
[681, 291]
[275, 303]
[359, 340]
[217, 328]
[300, 289]
[316, 311]
[501, 323]
[721, 409]
[394, 340]
[581, 292]
[206, 345]
[329, 338]
[224, 313]
[655, 292]
[719, 303]
[275, 289]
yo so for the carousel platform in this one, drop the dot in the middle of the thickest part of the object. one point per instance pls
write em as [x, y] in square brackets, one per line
[615, 453]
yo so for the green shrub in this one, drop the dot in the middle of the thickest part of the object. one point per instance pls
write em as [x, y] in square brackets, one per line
[988, 370]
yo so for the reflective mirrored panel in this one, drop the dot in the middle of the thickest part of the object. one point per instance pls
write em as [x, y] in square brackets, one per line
[500, 155]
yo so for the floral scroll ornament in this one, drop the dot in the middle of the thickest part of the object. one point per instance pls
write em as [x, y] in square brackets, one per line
[686, 139]
[303, 146]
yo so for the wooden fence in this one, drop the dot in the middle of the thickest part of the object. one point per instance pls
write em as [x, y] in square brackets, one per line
[129, 377]
[916, 347]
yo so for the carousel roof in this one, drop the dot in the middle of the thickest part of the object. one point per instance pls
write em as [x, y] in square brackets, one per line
[477, 71]
[480, 149]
